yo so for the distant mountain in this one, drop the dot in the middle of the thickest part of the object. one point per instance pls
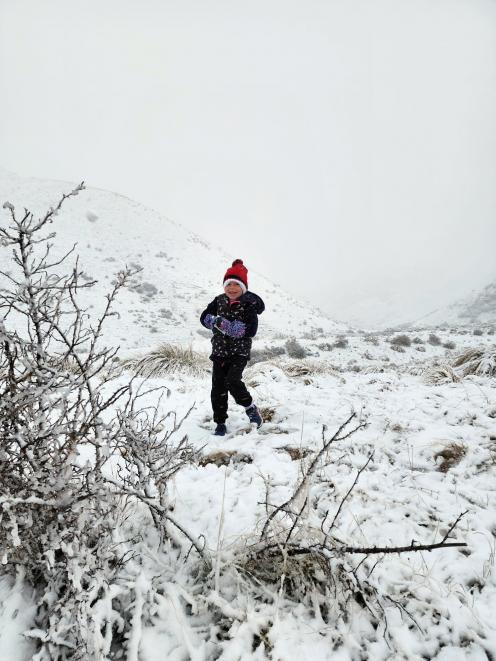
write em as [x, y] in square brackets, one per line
[181, 272]
[476, 308]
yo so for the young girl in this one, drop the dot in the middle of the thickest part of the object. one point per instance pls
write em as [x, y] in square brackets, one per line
[233, 319]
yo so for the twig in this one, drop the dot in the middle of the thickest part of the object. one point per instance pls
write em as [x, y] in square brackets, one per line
[311, 469]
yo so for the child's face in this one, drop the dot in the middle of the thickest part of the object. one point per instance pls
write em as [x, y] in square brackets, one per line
[233, 290]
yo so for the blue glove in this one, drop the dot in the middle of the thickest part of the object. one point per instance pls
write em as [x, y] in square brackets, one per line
[209, 321]
[232, 328]
[238, 329]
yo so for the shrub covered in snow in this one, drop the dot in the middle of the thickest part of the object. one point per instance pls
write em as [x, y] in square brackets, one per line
[401, 341]
[294, 349]
[61, 421]
[434, 340]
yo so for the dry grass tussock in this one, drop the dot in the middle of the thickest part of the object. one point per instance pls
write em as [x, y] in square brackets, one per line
[451, 455]
[168, 359]
[307, 367]
[439, 374]
[481, 362]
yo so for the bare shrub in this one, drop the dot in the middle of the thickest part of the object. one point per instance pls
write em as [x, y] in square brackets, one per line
[340, 343]
[372, 339]
[268, 353]
[301, 554]
[478, 331]
[325, 346]
[60, 514]
[168, 359]
[401, 341]
[418, 340]
[434, 340]
[449, 345]
[294, 349]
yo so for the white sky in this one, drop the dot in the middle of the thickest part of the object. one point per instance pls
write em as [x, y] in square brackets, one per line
[346, 149]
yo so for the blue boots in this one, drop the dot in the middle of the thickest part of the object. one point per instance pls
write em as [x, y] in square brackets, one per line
[254, 415]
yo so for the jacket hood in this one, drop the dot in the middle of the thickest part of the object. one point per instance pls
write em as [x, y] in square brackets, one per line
[255, 300]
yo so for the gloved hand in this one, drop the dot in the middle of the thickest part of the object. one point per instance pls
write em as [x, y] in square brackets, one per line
[210, 320]
[232, 328]
[238, 329]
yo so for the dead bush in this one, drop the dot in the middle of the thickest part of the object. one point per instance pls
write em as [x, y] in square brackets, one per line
[434, 340]
[340, 343]
[401, 341]
[225, 457]
[294, 349]
[268, 353]
[296, 453]
[451, 455]
[267, 413]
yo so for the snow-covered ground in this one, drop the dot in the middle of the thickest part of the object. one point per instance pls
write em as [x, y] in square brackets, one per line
[434, 457]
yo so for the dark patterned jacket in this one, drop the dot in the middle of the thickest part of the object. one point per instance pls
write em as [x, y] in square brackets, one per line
[246, 309]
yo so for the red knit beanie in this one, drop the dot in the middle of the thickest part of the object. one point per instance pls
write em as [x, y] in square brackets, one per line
[237, 273]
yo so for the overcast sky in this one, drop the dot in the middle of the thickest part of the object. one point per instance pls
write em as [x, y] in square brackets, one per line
[344, 148]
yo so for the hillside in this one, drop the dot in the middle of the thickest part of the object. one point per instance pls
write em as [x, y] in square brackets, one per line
[179, 274]
[477, 308]
[308, 538]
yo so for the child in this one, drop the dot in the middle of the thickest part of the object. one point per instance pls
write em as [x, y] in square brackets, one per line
[233, 319]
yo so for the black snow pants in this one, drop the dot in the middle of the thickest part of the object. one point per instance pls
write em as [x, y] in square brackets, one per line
[226, 377]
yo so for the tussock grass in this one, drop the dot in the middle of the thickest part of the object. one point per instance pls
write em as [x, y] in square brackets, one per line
[168, 359]
[308, 367]
[439, 374]
[481, 362]
[451, 455]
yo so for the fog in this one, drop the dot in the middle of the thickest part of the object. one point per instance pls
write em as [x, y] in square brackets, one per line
[345, 149]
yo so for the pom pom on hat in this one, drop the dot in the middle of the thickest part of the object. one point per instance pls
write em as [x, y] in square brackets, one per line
[237, 273]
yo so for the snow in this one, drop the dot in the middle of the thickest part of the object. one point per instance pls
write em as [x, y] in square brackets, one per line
[403, 495]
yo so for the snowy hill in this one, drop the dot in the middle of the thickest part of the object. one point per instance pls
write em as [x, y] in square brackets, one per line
[476, 308]
[180, 271]
[343, 573]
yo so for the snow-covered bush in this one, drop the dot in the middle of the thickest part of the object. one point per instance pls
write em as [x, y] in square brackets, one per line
[62, 421]
[294, 349]
[267, 353]
[340, 343]
[434, 340]
[401, 341]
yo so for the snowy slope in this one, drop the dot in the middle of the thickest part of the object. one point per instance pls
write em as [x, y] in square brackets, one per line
[436, 605]
[181, 272]
[477, 308]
